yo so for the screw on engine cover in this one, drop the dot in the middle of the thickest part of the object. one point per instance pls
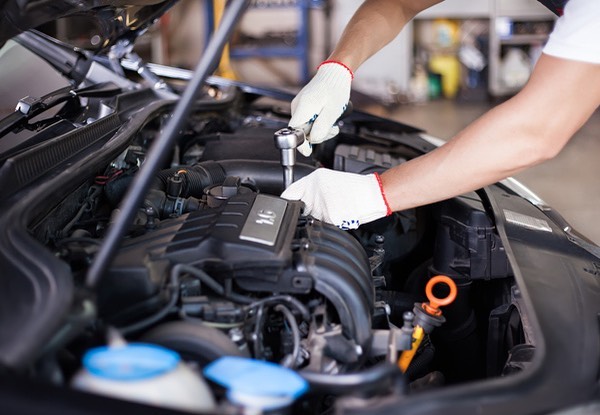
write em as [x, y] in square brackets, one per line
[404, 340]
[302, 244]
[235, 334]
[408, 317]
[151, 217]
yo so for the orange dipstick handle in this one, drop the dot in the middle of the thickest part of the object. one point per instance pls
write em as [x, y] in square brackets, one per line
[433, 307]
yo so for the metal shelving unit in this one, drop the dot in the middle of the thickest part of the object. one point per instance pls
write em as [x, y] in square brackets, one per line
[499, 42]
[512, 13]
[300, 47]
[497, 12]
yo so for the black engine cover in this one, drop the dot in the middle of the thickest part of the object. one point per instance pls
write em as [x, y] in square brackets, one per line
[259, 242]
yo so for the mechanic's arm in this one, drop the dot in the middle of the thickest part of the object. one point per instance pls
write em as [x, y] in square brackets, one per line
[531, 127]
[321, 102]
[374, 25]
[528, 129]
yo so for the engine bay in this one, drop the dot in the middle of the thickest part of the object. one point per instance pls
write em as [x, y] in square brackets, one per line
[216, 264]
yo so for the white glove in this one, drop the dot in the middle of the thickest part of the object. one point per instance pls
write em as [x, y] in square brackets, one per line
[346, 200]
[320, 103]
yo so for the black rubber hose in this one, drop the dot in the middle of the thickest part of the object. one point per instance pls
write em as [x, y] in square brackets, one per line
[251, 302]
[274, 299]
[259, 351]
[419, 365]
[210, 282]
[115, 189]
[378, 377]
[195, 179]
[291, 360]
[265, 175]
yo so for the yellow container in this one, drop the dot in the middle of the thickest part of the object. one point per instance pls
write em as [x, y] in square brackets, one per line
[449, 67]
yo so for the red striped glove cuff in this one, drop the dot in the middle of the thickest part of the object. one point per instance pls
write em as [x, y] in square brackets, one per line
[387, 205]
[338, 63]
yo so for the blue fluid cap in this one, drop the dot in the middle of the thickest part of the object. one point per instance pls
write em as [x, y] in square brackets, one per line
[270, 384]
[136, 361]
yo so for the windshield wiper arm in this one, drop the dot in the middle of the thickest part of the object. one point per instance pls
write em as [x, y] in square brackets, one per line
[30, 107]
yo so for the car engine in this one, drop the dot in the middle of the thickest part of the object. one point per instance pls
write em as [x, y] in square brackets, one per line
[215, 264]
[149, 264]
[251, 244]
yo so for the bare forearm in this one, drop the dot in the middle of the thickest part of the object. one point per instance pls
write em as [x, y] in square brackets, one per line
[485, 152]
[374, 25]
[526, 130]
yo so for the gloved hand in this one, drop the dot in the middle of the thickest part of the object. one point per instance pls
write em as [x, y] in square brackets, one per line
[346, 200]
[320, 103]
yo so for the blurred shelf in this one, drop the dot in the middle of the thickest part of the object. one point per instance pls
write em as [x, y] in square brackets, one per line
[522, 24]
[523, 39]
[298, 50]
[271, 4]
[266, 52]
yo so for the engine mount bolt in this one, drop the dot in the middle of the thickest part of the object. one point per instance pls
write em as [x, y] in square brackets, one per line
[150, 217]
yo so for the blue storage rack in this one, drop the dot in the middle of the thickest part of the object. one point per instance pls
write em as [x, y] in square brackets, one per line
[301, 49]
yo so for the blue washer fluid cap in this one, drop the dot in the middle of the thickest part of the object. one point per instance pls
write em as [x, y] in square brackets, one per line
[249, 377]
[131, 362]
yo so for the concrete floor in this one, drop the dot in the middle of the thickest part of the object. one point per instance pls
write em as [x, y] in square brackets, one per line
[570, 183]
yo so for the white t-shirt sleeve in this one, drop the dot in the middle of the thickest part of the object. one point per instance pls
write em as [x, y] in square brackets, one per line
[576, 35]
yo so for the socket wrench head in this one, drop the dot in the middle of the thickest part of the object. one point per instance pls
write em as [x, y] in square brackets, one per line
[288, 138]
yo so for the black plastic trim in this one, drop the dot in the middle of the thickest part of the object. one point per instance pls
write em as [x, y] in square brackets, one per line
[37, 288]
[559, 291]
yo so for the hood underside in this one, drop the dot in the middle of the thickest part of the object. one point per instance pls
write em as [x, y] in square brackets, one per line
[116, 19]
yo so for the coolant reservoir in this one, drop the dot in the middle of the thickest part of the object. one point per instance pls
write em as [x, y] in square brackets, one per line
[144, 373]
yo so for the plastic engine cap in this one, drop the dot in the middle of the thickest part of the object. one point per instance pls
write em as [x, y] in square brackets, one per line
[253, 380]
[130, 362]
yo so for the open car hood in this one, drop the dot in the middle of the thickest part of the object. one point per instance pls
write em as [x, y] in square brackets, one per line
[117, 19]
